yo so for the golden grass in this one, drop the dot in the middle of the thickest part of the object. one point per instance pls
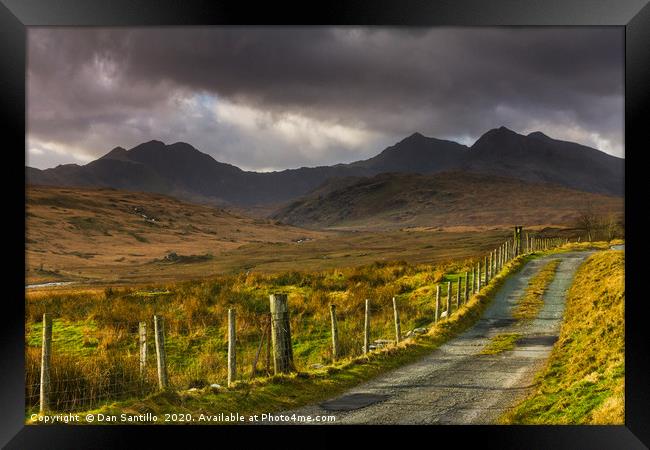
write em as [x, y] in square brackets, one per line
[500, 343]
[275, 393]
[529, 305]
[583, 382]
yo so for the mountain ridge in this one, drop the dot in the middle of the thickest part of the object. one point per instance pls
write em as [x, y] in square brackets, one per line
[181, 170]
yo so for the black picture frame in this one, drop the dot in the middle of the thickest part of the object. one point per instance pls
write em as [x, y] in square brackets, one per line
[17, 15]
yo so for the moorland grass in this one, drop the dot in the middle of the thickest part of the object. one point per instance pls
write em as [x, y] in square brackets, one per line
[276, 393]
[583, 381]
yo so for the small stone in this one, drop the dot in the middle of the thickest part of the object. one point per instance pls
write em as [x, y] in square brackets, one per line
[316, 366]
[215, 386]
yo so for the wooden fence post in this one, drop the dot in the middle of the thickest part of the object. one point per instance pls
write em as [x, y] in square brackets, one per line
[491, 264]
[232, 352]
[335, 333]
[437, 303]
[448, 299]
[159, 333]
[473, 288]
[268, 344]
[478, 277]
[281, 334]
[466, 286]
[397, 323]
[366, 329]
[46, 357]
[458, 289]
[142, 328]
[484, 275]
[488, 266]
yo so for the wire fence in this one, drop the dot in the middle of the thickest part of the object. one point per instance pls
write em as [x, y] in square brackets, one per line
[83, 365]
[107, 369]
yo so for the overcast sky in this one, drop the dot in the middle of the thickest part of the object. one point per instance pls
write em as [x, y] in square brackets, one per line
[285, 97]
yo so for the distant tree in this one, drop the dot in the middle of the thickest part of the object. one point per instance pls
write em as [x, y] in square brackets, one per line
[611, 226]
[588, 221]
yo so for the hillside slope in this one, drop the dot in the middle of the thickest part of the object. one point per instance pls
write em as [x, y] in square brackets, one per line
[73, 228]
[450, 200]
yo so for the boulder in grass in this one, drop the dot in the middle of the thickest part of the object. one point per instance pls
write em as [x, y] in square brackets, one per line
[382, 342]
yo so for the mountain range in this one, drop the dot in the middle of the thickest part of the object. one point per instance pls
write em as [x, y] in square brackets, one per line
[182, 171]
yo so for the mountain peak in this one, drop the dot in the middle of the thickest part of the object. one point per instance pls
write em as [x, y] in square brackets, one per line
[499, 134]
[538, 135]
[502, 130]
[116, 153]
[414, 137]
[154, 142]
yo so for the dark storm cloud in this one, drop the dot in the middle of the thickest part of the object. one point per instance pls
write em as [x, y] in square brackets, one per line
[285, 97]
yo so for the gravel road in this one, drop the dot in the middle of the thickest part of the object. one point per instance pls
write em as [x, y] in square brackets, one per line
[455, 384]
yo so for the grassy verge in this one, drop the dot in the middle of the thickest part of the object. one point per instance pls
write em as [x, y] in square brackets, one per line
[583, 382]
[532, 301]
[500, 343]
[278, 393]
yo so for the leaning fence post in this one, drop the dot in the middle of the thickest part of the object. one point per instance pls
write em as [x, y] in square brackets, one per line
[46, 355]
[159, 332]
[448, 299]
[232, 353]
[460, 279]
[437, 303]
[335, 333]
[366, 329]
[397, 323]
[478, 277]
[142, 328]
[281, 334]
